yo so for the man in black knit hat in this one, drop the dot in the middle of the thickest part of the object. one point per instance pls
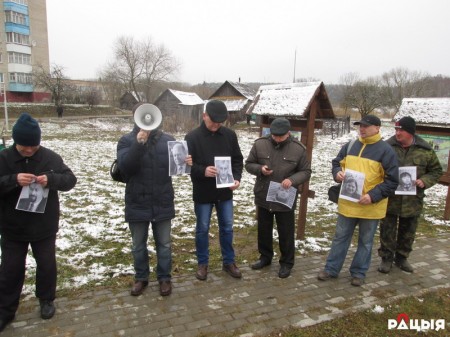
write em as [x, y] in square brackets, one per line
[398, 228]
[21, 165]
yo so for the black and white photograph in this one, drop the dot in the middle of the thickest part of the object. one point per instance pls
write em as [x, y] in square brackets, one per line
[178, 151]
[406, 180]
[224, 177]
[352, 186]
[277, 193]
[33, 198]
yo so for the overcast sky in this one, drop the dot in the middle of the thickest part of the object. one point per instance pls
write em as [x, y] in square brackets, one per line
[257, 40]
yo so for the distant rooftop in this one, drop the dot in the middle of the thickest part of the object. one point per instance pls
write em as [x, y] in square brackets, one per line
[187, 98]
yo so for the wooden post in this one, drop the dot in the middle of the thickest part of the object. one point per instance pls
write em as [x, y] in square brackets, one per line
[445, 179]
[308, 141]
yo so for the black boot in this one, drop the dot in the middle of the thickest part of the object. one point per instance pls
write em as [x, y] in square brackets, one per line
[403, 264]
[385, 266]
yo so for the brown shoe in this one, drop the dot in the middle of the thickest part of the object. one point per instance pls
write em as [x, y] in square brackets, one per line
[165, 287]
[202, 272]
[357, 282]
[138, 287]
[232, 270]
[324, 276]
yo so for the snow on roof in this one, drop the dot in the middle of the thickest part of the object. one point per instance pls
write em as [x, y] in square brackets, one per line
[235, 104]
[289, 99]
[187, 98]
[244, 89]
[425, 110]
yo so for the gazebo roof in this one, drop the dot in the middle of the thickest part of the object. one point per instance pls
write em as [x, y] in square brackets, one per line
[291, 99]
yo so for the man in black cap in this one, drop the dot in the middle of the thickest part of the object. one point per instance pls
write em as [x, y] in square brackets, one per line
[398, 228]
[21, 165]
[281, 158]
[374, 158]
[206, 142]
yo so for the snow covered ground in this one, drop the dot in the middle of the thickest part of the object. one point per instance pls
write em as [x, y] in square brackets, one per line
[92, 225]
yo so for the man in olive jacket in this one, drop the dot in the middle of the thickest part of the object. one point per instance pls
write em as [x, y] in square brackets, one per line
[280, 158]
[23, 164]
[396, 240]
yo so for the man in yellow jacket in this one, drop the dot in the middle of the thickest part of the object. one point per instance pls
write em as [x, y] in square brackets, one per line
[374, 159]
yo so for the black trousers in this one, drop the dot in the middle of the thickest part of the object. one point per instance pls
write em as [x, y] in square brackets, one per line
[12, 272]
[286, 232]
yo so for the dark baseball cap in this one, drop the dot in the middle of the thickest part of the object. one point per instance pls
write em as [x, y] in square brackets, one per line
[369, 120]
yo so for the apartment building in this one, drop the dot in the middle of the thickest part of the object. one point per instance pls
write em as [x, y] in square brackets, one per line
[23, 44]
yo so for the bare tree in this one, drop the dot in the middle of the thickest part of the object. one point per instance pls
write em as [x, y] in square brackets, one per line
[400, 83]
[112, 86]
[139, 65]
[54, 81]
[159, 65]
[347, 81]
[363, 95]
[92, 97]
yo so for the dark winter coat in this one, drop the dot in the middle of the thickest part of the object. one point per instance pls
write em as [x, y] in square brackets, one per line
[429, 170]
[149, 194]
[203, 146]
[287, 160]
[27, 226]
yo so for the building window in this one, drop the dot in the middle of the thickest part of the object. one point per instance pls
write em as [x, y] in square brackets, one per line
[15, 17]
[20, 78]
[18, 38]
[19, 58]
[20, 2]
[1, 78]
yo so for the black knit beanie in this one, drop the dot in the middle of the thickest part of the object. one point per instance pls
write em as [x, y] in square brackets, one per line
[408, 124]
[26, 131]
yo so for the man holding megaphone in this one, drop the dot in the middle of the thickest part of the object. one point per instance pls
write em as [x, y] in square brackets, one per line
[143, 158]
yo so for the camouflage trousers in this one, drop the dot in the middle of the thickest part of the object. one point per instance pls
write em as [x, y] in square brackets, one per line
[397, 236]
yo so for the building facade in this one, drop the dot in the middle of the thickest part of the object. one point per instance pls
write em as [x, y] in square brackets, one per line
[23, 45]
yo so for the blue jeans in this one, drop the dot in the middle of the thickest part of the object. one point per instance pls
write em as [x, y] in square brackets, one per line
[224, 210]
[342, 240]
[161, 234]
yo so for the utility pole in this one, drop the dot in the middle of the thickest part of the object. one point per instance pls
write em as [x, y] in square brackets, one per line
[6, 107]
[295, 63]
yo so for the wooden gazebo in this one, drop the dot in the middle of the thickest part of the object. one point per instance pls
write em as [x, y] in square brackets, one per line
[305, 105]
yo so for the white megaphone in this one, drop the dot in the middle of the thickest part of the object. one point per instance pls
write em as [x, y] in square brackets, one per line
[147, 116]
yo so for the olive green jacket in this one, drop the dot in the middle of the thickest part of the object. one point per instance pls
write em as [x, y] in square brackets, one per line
[286, 159]
[429, 170]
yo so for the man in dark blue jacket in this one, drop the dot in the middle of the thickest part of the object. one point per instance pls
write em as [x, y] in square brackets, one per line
[23, 164]
[206, 142]
[143, 158]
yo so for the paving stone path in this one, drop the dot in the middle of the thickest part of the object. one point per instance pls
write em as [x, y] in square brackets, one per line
[222, 306]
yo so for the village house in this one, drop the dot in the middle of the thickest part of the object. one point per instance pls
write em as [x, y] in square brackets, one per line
[237, 97]
[182, 111]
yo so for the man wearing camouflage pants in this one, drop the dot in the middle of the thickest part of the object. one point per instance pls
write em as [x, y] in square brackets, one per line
[396, 242]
